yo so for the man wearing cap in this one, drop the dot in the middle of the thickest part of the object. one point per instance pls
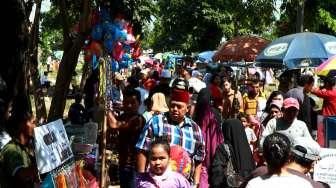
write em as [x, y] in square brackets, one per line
[288, 124]
[304, 153]
[178, 130]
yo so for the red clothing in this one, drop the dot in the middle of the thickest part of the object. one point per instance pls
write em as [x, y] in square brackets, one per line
[329, 101]
[216, 94]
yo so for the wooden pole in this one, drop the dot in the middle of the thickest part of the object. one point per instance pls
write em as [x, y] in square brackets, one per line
[103, 160]
[102, 93]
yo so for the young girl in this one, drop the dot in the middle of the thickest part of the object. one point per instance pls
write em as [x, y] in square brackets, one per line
[251, 137]
[159, 174]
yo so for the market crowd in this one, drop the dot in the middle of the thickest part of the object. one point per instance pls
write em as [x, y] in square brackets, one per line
[186, 127]
[193, 128]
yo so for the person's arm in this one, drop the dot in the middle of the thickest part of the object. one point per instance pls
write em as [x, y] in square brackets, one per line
[197, 175]
[111, 120]
[141, 161]
[143, 145]
[323, 93]
[269, 129]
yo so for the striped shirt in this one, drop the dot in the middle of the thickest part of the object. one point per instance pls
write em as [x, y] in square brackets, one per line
[188, 136]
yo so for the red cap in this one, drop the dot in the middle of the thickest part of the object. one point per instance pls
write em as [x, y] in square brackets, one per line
[180, 96]
[291, 102]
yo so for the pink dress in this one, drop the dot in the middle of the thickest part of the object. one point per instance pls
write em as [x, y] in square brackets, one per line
[168, 179]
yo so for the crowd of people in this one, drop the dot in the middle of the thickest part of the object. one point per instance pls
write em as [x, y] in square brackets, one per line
[231, 134]
[193, 128]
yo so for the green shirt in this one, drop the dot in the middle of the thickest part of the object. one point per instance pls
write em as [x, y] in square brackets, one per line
[13, 157]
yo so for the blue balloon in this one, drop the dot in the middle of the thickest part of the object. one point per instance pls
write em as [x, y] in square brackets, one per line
[108, 42]
[127, 48]
[123, 65]
[114, 66]
[97, 32]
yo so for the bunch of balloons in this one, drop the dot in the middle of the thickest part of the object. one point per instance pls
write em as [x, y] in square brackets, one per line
[114, 37]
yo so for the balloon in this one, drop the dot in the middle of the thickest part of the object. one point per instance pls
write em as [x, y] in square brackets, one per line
[117, 51]
[130, 39]
[97, 32]
[127, 48]
[96, 48]
[87, 55]
[114, 66]
[108, 42]
[123, 65]
[136, 51]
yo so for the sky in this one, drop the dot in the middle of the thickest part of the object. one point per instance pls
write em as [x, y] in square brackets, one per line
[44, 8]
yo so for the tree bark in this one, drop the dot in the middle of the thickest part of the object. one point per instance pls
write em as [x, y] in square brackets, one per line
[300, 16]
[72, 48]
[13, 67]
[41, 112]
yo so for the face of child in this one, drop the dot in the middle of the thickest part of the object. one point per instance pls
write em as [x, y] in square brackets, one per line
[131, 104]
[244, 121]
[159, 160]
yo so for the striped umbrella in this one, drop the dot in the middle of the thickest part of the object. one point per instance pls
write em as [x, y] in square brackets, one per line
[327, 68]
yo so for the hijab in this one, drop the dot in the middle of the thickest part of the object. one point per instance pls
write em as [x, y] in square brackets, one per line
[209, 124]
[235, 137]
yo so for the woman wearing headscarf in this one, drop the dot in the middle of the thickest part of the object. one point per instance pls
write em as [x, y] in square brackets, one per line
[239, 157]
[205, 117]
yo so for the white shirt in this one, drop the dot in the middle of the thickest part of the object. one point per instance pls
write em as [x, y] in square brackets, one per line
[250, 134]
[197, 84]
[4, 138]
[296, 129]
[276, 181]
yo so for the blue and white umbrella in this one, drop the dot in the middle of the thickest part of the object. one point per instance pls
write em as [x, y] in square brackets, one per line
[305, 49]
[206, 56]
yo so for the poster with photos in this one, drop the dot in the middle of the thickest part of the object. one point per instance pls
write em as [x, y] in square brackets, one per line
[52, 147]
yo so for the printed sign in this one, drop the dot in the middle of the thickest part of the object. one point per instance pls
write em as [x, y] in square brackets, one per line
[330, 47]
[276, 49]
[325, 169]
[52, 147]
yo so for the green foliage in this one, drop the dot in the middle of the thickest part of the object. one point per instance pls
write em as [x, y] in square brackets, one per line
[197, 25]
[319, 16]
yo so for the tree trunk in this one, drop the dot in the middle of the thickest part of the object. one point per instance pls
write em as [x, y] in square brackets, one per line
[12, 69]
[300, 16]
[68, 64]
[41, 112]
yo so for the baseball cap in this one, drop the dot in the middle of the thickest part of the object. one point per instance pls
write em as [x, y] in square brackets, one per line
[277, 104]
[306, 148]
[291, 102]
[165, 73]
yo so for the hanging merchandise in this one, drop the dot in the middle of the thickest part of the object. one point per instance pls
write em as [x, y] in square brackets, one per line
[48, 182]
[94, 62]
[114, 66]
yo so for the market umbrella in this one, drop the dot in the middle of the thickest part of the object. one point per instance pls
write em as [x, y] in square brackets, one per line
[327, 68]
[206, 56]
[298, 50]
[244, 48]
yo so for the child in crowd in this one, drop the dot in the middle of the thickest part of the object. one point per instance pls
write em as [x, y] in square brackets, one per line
[251, 137]
[159, 174]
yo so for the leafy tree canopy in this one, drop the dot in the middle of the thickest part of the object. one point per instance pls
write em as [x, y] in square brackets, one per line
[197, 25]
